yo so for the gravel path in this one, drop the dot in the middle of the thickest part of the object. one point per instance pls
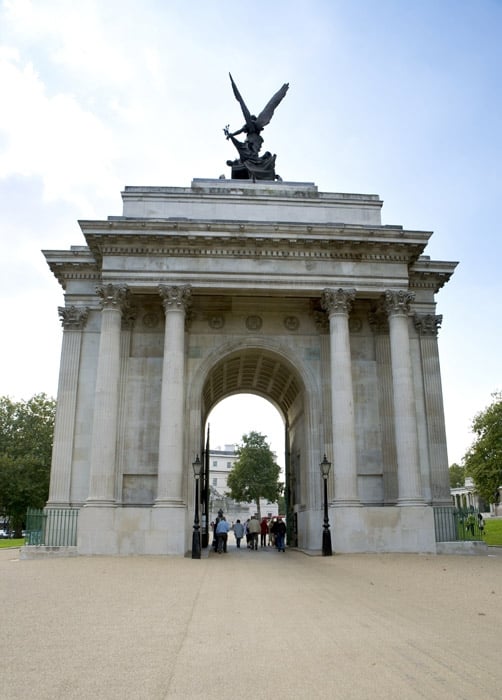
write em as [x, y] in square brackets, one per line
[251, 625]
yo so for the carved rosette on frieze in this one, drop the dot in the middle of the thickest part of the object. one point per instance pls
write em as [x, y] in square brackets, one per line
[337, 301]
[151, 319]
[216, 321]
[428, 324]
[73, 318]
[397, 302]
[254, 323]
[355, 325]
[291, 323]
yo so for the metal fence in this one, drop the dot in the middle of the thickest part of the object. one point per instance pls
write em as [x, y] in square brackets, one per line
[52, 527]
[456, 524]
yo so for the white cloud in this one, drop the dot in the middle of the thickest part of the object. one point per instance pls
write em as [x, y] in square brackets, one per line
[53, 138]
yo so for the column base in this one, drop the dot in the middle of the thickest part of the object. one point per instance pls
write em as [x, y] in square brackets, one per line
[57, 504]
[403, 502]
[169, 503]
[346, 503]
[99, 504]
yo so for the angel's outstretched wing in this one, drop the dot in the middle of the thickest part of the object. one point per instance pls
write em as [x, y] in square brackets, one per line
[245, 110]
[266, 114]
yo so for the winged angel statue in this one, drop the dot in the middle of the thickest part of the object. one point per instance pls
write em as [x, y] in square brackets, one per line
[250, 165]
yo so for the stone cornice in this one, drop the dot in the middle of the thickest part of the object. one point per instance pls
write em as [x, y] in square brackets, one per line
[175, 239]
[430, 274]
[223, 228]
[78, 263]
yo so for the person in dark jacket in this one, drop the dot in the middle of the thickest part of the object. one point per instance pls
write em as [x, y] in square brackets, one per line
[279, 530]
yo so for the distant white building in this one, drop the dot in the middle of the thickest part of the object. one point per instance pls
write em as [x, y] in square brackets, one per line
[466, 496]
[221, 462]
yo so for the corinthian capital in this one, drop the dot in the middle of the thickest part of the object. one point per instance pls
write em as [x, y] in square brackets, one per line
[337, 301]
[397, 302]
[73, 317]
[428, 324]
[176, 297]
[113, 296]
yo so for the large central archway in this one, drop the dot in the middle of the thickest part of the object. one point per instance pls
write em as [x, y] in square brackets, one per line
[275, 372]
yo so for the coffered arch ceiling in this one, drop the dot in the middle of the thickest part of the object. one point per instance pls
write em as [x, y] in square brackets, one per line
[253, 371]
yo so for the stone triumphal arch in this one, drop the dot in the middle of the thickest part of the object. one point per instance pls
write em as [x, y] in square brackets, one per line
[272, 288]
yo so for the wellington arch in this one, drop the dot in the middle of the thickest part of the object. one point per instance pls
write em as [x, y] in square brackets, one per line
[274, 288]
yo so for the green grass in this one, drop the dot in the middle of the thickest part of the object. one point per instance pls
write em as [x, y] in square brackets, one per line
[493, 532]
[11, 543]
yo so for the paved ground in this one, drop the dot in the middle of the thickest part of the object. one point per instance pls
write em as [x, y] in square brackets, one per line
[251, 625]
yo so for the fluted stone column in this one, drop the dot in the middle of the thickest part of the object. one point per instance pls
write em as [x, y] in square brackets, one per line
[176, 300]
[128, 319]
[337, 302]
[73, 319]
[427, 326]
[114, 299]
[397, 304]
[379, 324]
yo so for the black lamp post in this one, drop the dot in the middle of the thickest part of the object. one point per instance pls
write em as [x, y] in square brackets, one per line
[326, 535]
[197, 466]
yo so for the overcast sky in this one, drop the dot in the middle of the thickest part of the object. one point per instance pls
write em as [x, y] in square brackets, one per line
[399, 98]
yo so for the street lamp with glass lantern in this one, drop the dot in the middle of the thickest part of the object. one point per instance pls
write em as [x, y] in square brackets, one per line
[326, 535]
[196, 466]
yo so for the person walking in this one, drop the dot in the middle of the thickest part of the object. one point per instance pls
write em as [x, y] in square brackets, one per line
[271, 535]
[263, 532]
[238, 533]
[254, 531]
[215, 525]
[280, 534]
[222, 533]
[248, 534]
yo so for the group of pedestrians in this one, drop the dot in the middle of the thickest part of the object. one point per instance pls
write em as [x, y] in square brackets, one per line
[253, 530]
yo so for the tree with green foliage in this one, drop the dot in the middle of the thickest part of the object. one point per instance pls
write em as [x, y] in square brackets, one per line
[255, 473]
[483, 461]
[26, 435]
[457, 475]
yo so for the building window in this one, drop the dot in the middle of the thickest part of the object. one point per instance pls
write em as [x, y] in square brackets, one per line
[229, 464]
[215, 463]
[215, 482]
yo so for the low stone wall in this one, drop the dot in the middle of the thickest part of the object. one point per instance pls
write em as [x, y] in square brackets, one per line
[462, 547]
[43, 552]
